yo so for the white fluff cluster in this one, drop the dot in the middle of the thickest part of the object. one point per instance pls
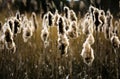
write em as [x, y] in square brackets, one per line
[55, 18]
[47, 22]
[34, 20]
[90, 39]
[71, 21]
[29, 26]
[88, 28]
[7, 38]
[87, 25]
[45, 36]
[102, 18]
[73, 30]
[87, 54]
[109, 25]
[87, 51]
[27, 31]
[115, 41]
[13, 26]
[61, 26]
[63, 42]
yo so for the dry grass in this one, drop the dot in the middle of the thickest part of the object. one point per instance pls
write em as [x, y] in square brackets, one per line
[33, 61]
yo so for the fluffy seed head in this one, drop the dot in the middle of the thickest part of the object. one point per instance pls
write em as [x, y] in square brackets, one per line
[72, 16]
[50, 18]
[87, 54]
[73, 30]
[45, 37]
[63, 44]
[115, 41]
[27, 32]
[90, 39]
[66, 12]
[61, 26]
[34, 20]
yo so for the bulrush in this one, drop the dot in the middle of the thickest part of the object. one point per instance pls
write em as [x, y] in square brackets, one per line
[67, 17]
[109, 25]
[66, 12]
[90, 39]
[61, 26]
[45, 36]
[67, 24]
[11, 25]
[107, 32]
[27, 31]
[45, 21]
[63, 41]
[18, 16]
[97, 21]
[50, 18]
[17, 26]
[72, 16]
[55, 18]
[8, 37]
[115, 28]
[115, 41]
[87, 25]
[24, 21]
[15, 21]
[34, 20]
[91, 24]
[63, 44]
[73, 31]
[87, 54]
[103, 21]
[109, 19]
[91, 10]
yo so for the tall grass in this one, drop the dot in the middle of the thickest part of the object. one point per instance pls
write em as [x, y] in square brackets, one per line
[33, 61]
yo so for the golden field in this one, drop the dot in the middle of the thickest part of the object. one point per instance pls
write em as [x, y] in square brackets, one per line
[32, 61]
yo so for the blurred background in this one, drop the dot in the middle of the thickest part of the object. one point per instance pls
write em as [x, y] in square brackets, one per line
[42, 6]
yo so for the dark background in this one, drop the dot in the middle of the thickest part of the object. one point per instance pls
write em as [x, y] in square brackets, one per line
[42, 6]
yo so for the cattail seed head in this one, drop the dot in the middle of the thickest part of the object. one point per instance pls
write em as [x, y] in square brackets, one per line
[87, 54]
[115, 41]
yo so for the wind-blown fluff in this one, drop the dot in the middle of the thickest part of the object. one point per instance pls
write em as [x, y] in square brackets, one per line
[27, 31]
[87, 54]
[73, 30]
[63, 44]
[55, 18]
[61, 26]
[45, 37]
[90, 39]
[72, 16]
[87, 25]
[97, 21]
[109, 25]
[115, 41]
[66, 12]
[102, 18]
[34, 20]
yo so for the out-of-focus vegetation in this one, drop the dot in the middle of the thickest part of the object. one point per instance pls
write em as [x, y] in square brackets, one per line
[42, 6]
